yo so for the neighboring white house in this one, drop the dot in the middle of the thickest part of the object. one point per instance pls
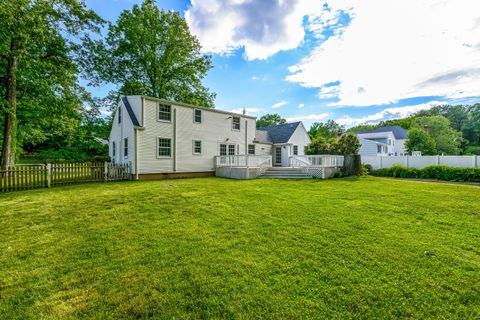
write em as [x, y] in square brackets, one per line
[391, 137]
[162, 138]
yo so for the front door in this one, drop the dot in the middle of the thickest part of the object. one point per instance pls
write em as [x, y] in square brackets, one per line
[278, 156]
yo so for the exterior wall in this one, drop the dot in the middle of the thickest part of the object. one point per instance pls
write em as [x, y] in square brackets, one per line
[118, 133]
[370, 148]
[301, 139]
[263, 149]
[394, 145]
[215, 129]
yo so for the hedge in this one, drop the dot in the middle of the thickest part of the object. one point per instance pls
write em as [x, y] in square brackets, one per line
[438, 172]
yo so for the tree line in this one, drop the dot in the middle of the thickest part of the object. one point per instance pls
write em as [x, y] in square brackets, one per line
[47, 46]
[444, 129]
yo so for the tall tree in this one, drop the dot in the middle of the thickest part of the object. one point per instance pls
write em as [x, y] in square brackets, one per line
[447, 140]
[420, 140]
[32, 42]
[327, 130]
[152, 52]
[270, 120]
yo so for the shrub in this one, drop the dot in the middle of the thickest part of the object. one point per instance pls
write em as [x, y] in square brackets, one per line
[438, 172]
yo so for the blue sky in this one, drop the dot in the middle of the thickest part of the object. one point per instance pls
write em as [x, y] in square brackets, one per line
[315, 60]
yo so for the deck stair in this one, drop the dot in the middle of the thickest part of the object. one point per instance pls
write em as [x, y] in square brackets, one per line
[284, 173]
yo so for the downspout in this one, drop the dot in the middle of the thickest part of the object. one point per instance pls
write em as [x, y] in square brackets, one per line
[175, 140]
[246, 137]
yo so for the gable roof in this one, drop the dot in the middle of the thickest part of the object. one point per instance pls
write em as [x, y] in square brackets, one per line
[127, 105]
[278, 134]
[398, 132]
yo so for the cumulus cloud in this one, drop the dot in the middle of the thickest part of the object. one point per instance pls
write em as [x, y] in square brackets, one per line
[394, 50]
[249, 111]
[263, 27]
[309, 117]
[279, 104]
[301, 106]
[387, 114]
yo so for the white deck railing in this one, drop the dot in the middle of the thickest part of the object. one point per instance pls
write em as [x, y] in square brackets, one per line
[247, 161]
[319, 161]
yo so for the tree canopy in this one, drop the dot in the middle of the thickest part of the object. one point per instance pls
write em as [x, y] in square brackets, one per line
[151, 52]
[39, 92]
[327, 130]
[270, 120]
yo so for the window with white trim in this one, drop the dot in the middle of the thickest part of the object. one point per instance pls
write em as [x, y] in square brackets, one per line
[125, 147]
[197, 116]
[236, 123]
[114, 149]
[295, 150]
[251, 149]
[223, 149]
[197, 147]
[164, 112]
[231, 149]
[164, 147]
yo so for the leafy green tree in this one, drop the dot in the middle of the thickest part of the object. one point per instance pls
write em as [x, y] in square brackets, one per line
[347, 145]
[420, 140]
[328, 130]
[270, 120]
[151, 52]
[447, 140]
[320, 145]
[471, 128]
[38, 77]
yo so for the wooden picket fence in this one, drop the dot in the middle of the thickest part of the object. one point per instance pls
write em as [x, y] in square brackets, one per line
[24, 177]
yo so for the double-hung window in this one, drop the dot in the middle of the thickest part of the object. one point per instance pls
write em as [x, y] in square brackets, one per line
[197, 147]
[251, 149]
[125, 147]
[236, 123]
[295, 150]
[164, 147]
[231, 149]
[164, 112]
[227, 149]
[114, 149]
[197, 116]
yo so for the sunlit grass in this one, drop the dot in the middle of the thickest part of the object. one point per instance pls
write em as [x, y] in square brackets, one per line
[215, 248]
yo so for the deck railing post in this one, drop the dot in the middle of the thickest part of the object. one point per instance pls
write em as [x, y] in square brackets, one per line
[49, 175]
[105, 171]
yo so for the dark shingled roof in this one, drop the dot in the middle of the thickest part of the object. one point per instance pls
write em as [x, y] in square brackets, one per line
[397, 131]
[278, 134]
[130, 111]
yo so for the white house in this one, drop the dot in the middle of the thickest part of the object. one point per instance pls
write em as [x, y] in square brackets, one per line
[161, 138]
[390, 137]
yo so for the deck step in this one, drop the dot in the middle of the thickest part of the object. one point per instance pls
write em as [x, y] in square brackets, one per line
[284, 173]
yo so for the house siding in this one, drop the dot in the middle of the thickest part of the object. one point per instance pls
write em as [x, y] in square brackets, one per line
[299, 138]
[215, 129]
[119, 132]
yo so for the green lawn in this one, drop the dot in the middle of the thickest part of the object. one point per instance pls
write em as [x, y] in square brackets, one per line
[215, 248]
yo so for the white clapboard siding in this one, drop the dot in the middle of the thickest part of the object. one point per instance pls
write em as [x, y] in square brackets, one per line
[299, 138]
[118, 133]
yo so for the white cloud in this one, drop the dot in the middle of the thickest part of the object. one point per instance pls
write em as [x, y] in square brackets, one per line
[249, 111]
[263, 27]
[308, 118]
[395, 50]
[301, 106]
[279, 104]
[387, 114]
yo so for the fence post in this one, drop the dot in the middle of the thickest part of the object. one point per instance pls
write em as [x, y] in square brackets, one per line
[49, 175]
[105, 171]
[381, 162]
[408, 161]
[474, 161]
[438, 159]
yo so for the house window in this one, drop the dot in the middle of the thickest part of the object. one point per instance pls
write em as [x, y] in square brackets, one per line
[114, 149]
[125, 147]
[251, 149]
[223, 149]
[236, 123]
[231, 149]
[164, 147]
[379, 148]
[197, 147]
[164, 112]
[197, 116]
[295, 150]
[119, 114]
[389, 142]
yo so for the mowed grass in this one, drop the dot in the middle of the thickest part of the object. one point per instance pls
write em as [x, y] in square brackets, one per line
[215, 248]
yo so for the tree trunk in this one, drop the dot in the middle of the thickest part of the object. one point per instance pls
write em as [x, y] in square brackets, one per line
[9, 131]
[352, 165]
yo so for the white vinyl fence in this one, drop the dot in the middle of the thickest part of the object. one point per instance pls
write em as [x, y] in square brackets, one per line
[379, 162]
